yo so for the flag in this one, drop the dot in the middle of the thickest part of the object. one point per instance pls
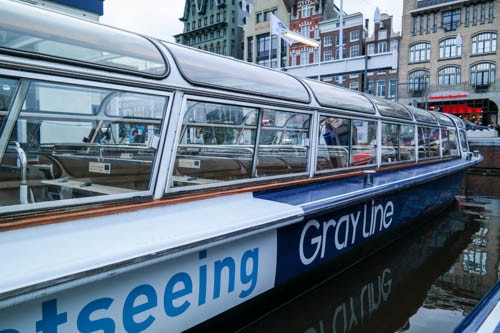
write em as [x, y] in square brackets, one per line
[279, 28]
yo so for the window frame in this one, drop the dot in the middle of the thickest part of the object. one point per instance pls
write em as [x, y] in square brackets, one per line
[261, 106]
[61, 81]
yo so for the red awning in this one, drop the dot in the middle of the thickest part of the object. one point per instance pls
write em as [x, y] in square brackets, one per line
[460, 108]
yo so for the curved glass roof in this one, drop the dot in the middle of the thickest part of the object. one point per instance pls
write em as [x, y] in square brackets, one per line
[391, 109]
[43, 33]
[422, 115]
[330, 96]
[443, 119]
[203, 68]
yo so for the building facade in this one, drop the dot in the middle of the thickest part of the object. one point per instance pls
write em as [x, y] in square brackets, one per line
[259, 46]
[448, 57]
[354, 35]
[306, 16]
[212, 25]
[383, 81]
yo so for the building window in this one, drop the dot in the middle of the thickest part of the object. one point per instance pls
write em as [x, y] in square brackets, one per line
[354, 51]
[382, 34]
[267, 16]
[435, 23]
[418, 81]
[259, 18]
[381, 88]
[382, 47]
[414, 25]
[451, 19]
[306, 10]
[328, 55]
[354, 86]
[467, 15]
[491, 11]
[474, 14]
[483, 12]
[428, 28]
[482, 74]
[327, 41]
[263, 46]
[420, 52]
[422, 20]
[393, 88]
[484, 43]
[305, 30]
[337, 39]
[337, 53]
[294, 59]
[370, 87]
[448, 48]
[316, 32]
[316, 55]
[304, 57]
[250, 49]
[449, 76]
[354, 35]
[371, 49]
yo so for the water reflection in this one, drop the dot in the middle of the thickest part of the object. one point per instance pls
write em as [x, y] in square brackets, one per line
[426, 282]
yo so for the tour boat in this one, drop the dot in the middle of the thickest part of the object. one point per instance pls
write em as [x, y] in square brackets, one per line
[150, 186]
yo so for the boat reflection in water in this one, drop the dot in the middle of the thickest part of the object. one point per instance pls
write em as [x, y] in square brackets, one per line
[426, 282]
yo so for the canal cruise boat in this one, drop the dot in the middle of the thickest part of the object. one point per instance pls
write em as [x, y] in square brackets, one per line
[146, 185]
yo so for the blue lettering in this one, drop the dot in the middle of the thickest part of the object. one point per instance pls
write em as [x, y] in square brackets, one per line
[84, 324]
[202, 296]
[129, 310]
[251, 278]
[50, 318]
[170, 295]
[219, 265]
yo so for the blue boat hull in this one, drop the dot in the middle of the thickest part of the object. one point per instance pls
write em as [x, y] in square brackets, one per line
[361, 228]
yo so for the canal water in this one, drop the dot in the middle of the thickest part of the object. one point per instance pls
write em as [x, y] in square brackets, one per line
[426, 282]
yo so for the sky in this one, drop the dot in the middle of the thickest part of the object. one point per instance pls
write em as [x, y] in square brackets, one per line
[160, 18]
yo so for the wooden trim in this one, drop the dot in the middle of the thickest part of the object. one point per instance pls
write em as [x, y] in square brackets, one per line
[76, 213]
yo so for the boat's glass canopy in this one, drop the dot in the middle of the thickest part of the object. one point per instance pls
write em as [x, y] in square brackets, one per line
[443, 119]
[335, 97]
[391, 109]
[205, 69]
[42, 33]
[422, 115]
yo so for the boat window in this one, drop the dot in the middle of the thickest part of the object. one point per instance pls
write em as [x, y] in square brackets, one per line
[398, 142]
[450, 142]
[218, 143]
[344, 142]
[363, 151]
[422, 115]
[7, 90]
[463, 141]
[283, 143]
[64, 145]
[428, 143]
[71, 39]
[391, 109]
[444, 120]
[330, 96]
[202, 68]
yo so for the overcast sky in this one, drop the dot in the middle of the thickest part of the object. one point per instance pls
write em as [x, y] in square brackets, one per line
[160, 18]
